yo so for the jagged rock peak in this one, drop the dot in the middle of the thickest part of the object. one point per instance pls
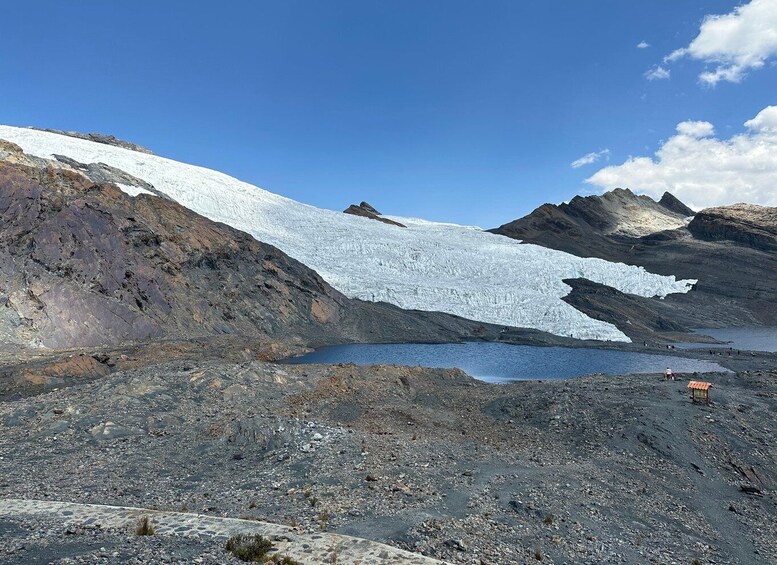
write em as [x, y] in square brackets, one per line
[671, 202]
[618, 212]
[369, 208]
[100, 138]
[365, 210]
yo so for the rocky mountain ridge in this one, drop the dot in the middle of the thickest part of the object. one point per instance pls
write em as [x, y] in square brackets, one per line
[728, 249]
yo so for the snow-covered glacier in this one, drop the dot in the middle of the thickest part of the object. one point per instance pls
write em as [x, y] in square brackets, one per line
[427, 266]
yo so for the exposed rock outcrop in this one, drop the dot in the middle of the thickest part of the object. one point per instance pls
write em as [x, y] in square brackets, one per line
[671, 202]
[100, 138]
[748, 224]
[366, 211]
[100, 173]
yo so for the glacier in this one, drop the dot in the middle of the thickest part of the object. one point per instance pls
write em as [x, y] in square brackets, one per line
[433, 266]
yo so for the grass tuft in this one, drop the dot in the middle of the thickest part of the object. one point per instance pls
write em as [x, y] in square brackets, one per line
[144, 527]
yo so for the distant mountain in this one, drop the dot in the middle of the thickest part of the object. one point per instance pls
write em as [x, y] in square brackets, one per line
[83, 263]
[730, 250]
[427, 266]
[671, 202]
[585, 222]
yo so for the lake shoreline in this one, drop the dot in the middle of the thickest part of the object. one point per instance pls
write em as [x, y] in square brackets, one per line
[501, 362]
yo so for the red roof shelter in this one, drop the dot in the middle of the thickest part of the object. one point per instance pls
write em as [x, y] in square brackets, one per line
[700, 391]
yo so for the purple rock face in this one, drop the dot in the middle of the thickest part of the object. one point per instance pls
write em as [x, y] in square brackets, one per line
[86, 264]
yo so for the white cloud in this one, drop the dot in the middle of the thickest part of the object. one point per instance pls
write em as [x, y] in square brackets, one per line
[702, 170]
[695, 129]
[590, 158]
[643, 44]
[657, 73]
[765, 121]
[734, 43]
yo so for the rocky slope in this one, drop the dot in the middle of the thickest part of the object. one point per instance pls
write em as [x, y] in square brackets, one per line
[84, 263]
[747, 224]
[730, 251]
[618, 214]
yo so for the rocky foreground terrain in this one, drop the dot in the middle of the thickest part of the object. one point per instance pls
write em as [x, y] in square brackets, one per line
[591, 470]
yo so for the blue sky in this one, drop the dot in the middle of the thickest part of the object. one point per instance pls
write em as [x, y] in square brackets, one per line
[468, 112]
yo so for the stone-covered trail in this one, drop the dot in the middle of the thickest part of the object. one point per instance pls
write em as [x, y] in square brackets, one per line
[305, 548]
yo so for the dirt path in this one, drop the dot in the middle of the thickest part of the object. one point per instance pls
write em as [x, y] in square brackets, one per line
[306, 548]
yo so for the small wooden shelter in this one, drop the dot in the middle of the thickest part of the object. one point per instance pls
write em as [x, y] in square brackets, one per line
[700, 391]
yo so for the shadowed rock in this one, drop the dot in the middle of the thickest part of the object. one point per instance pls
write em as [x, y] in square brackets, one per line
[671, 202]
[747, 224]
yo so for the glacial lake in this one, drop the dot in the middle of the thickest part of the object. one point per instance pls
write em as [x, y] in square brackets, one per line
[500, 362]
[745, 339]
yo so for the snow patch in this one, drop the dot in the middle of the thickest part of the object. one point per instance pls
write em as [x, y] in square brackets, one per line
[430, 266]
[134, 190]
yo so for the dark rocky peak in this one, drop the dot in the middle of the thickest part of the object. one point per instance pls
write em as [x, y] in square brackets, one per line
[671, 202]
[365, 210]
[100, 138]
[366, 206]
[747, 224]
[619, 212]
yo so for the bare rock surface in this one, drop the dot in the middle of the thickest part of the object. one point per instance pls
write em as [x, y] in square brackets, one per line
[367, 211]
[671, 202]
[747, 224]
[619, 213]
[591, 470]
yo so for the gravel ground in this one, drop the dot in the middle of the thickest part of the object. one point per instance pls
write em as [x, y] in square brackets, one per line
[590, 470]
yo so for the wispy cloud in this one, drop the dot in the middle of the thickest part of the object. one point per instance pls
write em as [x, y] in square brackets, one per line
[734, 43]
[590, 158]
[657, 73]
[643, 44]
[703, 170]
